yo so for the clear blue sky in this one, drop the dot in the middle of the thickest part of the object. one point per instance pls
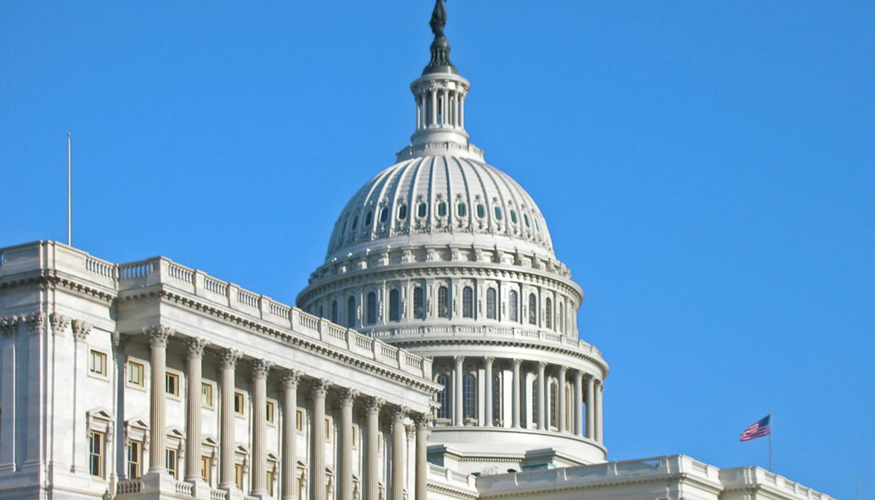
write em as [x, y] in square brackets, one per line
[706, 169]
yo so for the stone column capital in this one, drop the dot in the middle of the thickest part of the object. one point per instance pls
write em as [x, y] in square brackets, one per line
[563, 370]
[373, 404]
[542, 365]
[59, 323]
[291, 378]
[9, 325]
[81, 329]
[489, 360]
[194, 347]
[319, 387]
[423, 420]
[516, 362]
[35, 322]
[347, 396]
[399, 412]
[159, 335]
[228, 358]
[260, 368]
[459, 360]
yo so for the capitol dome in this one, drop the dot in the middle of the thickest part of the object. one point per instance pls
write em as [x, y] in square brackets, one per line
[448, 257]
[439, 199]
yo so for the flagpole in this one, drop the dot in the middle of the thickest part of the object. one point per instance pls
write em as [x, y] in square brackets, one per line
[771, 439]
[69, 193]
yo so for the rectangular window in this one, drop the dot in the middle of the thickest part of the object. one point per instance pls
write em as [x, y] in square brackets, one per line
[238, 475]
[207, 395]
[135, 460]
[299, 421]
[136, 372]
[327, 429]
[270, 411]
[171, 462]
[239, 403]
[354, 436]
[95, 453]
[171, 384]
[97, 365]
[206, 468]
[269, 483]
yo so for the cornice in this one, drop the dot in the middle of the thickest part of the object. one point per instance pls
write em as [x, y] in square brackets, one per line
[442, 488]
[51, 280]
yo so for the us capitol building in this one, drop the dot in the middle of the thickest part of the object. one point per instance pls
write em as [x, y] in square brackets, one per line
[434, 355]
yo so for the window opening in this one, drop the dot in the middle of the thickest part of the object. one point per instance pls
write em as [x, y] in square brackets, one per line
[422, 210]
[418, 303]
[533, 309]
[443, 397]
[402, 212]
[372, 308]
[481, 210]
[548, 314]
[468, 302]
[442, 209]
[462, 210]
[394, 306]
[469, 397]
[443, 310]
[350, 312]
[490, 303]
[512, 305]
[369, 217]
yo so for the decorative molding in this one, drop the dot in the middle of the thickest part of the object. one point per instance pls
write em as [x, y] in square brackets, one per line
[399, 412]
[290, 379]
[347, 396]
[373, 404]
[319, 387]
[81, 329]
[228, 358]
[59, 323]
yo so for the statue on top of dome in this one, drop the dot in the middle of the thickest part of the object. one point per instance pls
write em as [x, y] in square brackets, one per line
[438, 18]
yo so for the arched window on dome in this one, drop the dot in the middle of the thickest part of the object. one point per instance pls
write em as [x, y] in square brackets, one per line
[418, 303]
[350, 312]
[334, 318]
[355, 222]
[369, 217]
[554, 394]
[468, 302]
[512, 306]
[513, 216]
[343, 229]
[490, 303]
[469, 397]
[526, 219]
[402, 212]
[496, 400]
[481, 210]
[462, 210]
[548, 314]
[442, 209]
[498, 213]
[422, 210]
[443, 397]
[533, 309]
[394, 305]
[443, 302]
[372, 308]
[384, 214]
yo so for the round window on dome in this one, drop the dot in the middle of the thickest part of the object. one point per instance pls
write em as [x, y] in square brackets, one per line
[384, 214]
[402, 212]
[481, 210]
[513, 216]
[462, 210]
[422, 211]
[497, 213]
[369, 218]
[442, 209]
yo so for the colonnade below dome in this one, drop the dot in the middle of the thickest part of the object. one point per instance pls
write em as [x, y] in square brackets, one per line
[512, 393]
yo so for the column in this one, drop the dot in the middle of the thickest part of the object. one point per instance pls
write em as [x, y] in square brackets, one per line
[227, 365]
[422, 421]
[515, 364]
[462, 112]
[260, 370]
[398, 445]
[195, 355]
[158, 337]
[317, 438]
[434, 110]
[488, 392]
[9, 329]
[290, 434]
[372, 479]
[418, 111]
[458, 392]
[562, 402]
[599, 419]
[542, 393]
[578, 403]
[347, 398]
[590, 407]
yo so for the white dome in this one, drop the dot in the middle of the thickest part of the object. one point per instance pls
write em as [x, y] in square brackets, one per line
[441, 200]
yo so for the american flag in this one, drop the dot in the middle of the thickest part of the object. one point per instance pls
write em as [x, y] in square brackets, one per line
[759, 429]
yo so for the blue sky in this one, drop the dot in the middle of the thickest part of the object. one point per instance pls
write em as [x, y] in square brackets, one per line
[706, 169]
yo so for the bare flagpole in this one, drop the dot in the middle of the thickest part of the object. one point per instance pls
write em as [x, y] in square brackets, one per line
[69, 192]
[771, 439]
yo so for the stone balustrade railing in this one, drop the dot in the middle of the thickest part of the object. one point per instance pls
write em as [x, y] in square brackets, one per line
[475, 331]
[114, 278]
[450, 477]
